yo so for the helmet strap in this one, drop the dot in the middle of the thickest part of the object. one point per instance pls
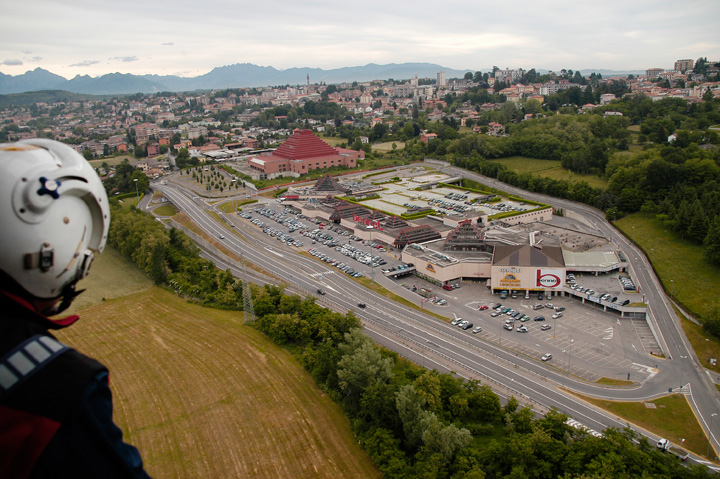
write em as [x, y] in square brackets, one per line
[68, 295]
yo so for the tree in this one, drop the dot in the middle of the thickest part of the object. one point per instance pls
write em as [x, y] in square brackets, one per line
[711, 244]
[360, 366]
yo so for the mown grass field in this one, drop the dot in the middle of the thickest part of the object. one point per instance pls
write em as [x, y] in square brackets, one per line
[695, 283]
[684, 273]
[549, 169]
[202, 395]
[387, 146]
[671, 418]
[109, 268]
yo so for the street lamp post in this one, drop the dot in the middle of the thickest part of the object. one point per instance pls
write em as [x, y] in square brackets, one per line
[707, 350]
[372, 270]
[633, 228]
[672, 289]
[137, 192]
[709, 433]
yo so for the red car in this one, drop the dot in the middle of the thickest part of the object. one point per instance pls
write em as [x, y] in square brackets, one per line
[483, 307]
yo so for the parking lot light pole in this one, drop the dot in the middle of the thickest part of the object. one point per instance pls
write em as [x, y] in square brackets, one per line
[137, 193]
[372, 270]
[569, 365]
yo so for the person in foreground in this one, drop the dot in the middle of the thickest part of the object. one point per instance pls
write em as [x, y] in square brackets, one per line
[55, 403]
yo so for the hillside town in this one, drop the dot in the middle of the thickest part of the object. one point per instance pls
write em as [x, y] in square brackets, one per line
[220, 125]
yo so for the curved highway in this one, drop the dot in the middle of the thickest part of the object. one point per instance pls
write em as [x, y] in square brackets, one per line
[436, 344]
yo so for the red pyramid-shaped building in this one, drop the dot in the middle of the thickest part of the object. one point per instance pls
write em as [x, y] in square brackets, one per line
[303, 152]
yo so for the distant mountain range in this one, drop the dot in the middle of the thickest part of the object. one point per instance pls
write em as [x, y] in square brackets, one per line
[230, 76]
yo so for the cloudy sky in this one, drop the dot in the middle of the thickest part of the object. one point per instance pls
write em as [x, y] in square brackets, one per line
[189, 38]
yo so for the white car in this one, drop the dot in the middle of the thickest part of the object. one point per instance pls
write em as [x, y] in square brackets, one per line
[522, 329]
[547, 357]
[557, 315]
[477, 330]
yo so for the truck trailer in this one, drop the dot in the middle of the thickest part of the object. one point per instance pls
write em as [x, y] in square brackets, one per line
[667, 446]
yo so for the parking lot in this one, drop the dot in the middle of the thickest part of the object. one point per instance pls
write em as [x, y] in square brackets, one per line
[336, 246]
[585, 341]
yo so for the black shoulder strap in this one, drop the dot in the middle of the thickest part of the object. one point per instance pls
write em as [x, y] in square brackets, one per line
[27, 359]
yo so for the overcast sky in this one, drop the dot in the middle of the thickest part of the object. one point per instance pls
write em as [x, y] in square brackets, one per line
[190, 38]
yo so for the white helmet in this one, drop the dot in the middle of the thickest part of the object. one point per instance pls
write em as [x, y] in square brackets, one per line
[54, 213]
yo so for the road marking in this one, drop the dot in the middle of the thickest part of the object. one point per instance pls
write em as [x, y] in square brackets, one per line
[275, 252]
[315, 275]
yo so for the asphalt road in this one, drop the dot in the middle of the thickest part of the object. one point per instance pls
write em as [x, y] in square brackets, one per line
[436, 344]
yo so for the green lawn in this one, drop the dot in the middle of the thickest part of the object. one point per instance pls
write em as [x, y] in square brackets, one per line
[679, 263]
[333, 140]
[671, 418]
[165, 210]
[387, 146]
[550, 169]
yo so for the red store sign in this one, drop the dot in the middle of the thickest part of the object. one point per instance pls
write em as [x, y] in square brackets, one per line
[367, 222]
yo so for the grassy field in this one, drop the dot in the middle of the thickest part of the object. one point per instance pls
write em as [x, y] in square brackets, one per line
[387, 146]
[686, 276]
[165, 210]
[695, 283]
[109, 268]
[116, 160]
[549, 169]
[333, 140]
[671, 418]
[202, 395]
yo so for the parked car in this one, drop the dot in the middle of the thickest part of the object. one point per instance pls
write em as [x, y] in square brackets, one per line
[447, 287]
[483, 307]
[467, 326]
[320, 291]
[477, 330]
[545, 327]
[522, 329]
[455, 321]
[549, 305]
[539, 318]
[537, 306]
[495, 314]
[509, 327]
[557, 315]
[559, 309]
[546, 357]
[361, 305]
[462, 323]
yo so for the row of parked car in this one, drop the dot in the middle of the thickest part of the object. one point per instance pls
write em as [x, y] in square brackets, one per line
[361, 256]
[465, 325]
[347, 269]
[626, 282]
